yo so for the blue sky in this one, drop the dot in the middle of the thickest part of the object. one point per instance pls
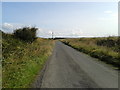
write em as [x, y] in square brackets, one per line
[71, 19]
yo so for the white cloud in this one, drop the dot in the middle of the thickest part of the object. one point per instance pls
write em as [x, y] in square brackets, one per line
[39, 31]
[7, 27]
[44, 33]
[72, 32]
[76, 32]
[50, 32]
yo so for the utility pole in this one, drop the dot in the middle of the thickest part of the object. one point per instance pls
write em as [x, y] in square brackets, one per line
[52, 35]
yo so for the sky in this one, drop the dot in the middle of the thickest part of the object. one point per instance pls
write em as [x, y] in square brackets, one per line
[64, 19]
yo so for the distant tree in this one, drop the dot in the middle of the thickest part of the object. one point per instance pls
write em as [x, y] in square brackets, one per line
[26, 33]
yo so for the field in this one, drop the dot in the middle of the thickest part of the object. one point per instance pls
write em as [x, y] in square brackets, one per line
[22, 60]
[105, 49]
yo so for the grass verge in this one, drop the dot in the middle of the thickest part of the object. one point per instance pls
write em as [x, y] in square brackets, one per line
[110, 55]
[22, 61]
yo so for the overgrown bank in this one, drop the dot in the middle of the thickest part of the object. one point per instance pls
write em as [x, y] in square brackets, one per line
[105, 49]
[22, 60]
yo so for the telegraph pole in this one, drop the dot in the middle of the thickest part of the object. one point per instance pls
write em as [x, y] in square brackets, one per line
[52, 35]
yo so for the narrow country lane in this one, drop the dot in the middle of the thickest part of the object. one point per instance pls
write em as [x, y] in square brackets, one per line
[69, 68]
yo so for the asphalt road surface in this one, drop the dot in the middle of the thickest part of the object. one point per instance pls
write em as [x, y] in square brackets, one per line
[68, 68]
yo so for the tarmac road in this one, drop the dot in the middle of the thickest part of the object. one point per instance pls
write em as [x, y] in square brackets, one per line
[68, 68]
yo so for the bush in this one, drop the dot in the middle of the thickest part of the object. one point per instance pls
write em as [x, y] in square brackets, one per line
[26, 33]
[107, 42]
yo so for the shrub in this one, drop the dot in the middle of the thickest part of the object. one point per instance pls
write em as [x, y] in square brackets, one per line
[107, 42]
[26, 33]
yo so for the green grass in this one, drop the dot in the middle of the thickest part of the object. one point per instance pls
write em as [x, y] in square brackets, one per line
[102, 52]
[22, 61]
